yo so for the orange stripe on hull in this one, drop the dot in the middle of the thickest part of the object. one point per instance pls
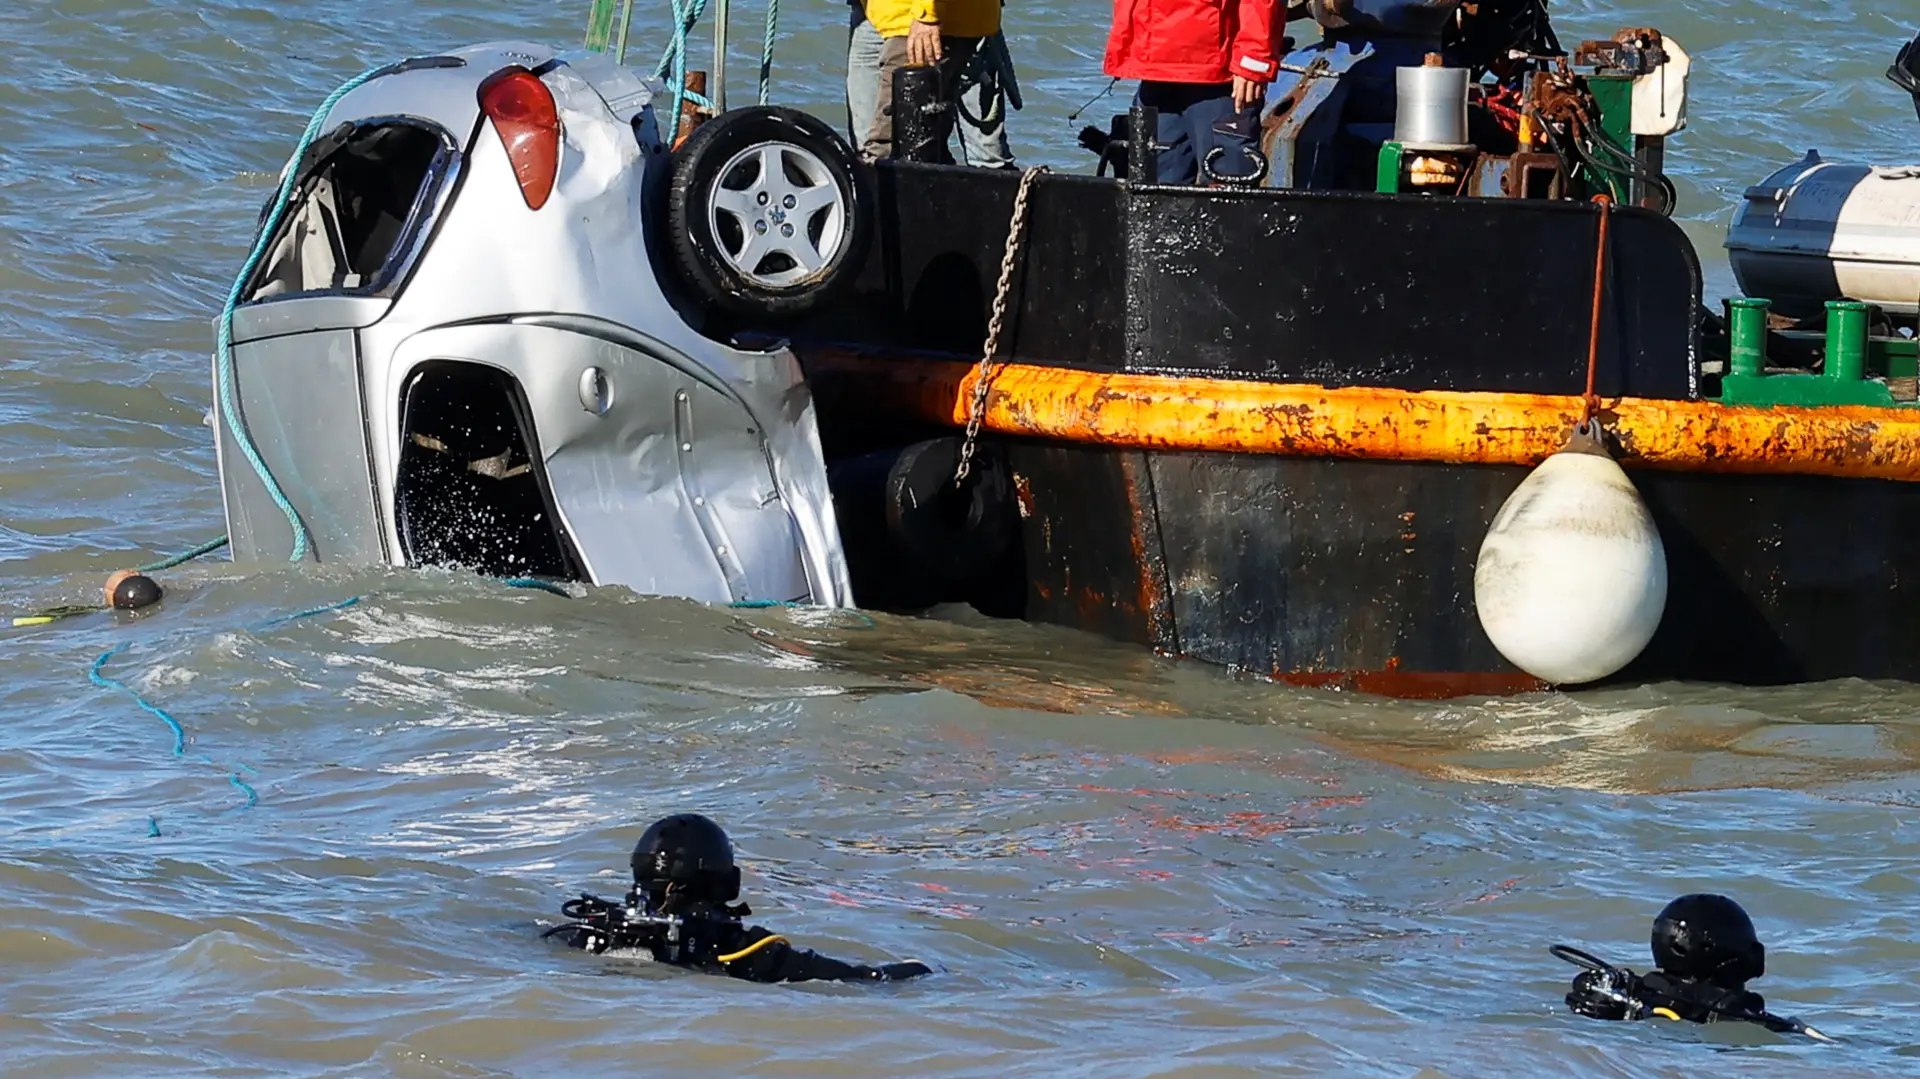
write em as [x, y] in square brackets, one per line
[1164, 412]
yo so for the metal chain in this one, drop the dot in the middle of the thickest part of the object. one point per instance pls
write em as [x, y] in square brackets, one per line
[983, 377]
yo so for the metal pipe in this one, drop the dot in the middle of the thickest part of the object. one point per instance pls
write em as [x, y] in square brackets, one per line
[1143, 144]
[1162, 412]
[718, 78]
[626, 23]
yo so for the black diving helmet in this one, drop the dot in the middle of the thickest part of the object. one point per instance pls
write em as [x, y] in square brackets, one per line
[688, 858]
[1708, 938]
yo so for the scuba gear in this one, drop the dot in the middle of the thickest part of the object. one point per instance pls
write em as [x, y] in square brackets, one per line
[713, 940]
[1604, 991]
[1704, 951]
[1708, 938]
[684, 880]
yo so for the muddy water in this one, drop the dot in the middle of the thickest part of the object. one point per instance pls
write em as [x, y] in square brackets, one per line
[1122, 866]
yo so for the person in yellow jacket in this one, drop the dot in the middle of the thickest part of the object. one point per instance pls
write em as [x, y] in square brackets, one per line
[961, 37]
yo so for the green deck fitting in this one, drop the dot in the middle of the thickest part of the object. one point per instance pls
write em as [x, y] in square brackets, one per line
[1857, 369]
[1898, 356]
[1805, 391]
[1390, 168]
[1613, 94]
[1747, 336]
[1846, 340]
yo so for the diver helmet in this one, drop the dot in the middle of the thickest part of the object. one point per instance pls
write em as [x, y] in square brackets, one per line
[688, 855]
[1708, 938]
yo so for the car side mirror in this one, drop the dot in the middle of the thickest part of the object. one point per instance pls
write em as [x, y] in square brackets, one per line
[1905, 71]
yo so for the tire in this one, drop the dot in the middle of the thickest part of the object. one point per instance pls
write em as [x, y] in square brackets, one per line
[754, 241]
[953, 535]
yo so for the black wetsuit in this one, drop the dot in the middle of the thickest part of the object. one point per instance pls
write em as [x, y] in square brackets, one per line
[1622, 994]
[712, 939]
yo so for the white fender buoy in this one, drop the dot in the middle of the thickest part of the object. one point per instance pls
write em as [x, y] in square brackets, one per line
[1572, 577]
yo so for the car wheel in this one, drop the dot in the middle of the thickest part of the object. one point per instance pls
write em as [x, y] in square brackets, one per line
[766, 213]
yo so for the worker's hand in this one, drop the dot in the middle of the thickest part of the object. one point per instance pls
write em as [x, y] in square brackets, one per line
[923, 43]
[1246, 92]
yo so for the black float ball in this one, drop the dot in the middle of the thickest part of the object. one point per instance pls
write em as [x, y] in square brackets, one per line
[131, 591]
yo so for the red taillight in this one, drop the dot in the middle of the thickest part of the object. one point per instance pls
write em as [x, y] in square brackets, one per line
[521, 108]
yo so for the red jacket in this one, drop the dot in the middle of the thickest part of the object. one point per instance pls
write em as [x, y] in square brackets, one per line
[1194, 40]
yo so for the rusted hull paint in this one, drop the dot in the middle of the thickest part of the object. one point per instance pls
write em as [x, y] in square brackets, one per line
[1169, 413]
[1358, 575]
[1419, 685]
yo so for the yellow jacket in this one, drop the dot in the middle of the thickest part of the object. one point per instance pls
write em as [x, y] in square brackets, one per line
[957, 18]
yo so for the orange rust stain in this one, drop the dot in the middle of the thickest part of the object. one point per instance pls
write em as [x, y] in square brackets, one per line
[1417, 685]
[1149, 600]
[1162, 412]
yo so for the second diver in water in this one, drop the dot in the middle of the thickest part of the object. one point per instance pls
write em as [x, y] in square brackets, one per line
[682, 911]
[1704, 954]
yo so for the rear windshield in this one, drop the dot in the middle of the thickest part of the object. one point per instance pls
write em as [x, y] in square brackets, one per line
[363, 196]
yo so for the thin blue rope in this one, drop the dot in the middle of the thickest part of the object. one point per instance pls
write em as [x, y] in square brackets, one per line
[223, 354]
[281, 620]
[253, 796]
[183, 557]
[673, 63]
[864, 620]
[97, 674]
[537, 585]
[99, 678]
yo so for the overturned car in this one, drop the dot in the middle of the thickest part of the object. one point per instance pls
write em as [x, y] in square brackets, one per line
[452, 345]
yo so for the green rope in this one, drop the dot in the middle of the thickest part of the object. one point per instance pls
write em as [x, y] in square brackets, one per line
[184, 557]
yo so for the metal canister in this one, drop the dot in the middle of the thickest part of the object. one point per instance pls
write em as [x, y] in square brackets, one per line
[922, 119]
[1432, 110]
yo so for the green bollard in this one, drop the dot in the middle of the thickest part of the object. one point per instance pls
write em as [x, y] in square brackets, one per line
[1387, 166]
[1747, 336]
[1846, 340]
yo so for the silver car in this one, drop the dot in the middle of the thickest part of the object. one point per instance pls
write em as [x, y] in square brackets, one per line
[457, 348]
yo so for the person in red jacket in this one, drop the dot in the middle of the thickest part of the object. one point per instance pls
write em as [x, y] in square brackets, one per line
[1199, 62]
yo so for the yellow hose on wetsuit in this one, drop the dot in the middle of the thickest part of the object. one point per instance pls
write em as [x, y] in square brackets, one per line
[751, 948]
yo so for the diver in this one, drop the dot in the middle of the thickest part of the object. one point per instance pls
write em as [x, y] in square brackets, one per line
[1704, 954]
[681, 910]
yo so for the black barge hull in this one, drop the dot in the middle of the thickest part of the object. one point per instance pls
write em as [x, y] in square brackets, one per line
[1332, 571]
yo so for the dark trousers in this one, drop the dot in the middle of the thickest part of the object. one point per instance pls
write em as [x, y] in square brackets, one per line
[1188, 111]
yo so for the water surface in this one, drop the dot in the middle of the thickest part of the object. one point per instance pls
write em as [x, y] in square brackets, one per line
[1123, 866]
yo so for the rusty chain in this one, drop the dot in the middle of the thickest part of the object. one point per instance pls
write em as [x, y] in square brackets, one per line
[983, 375]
